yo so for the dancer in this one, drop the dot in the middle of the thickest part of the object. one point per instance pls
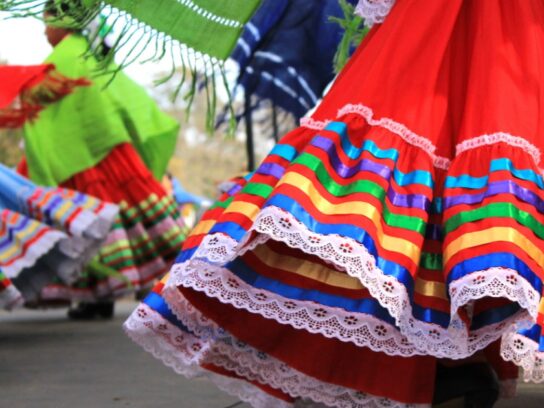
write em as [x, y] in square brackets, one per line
[45, 233]
[109, 140]
[399, 224]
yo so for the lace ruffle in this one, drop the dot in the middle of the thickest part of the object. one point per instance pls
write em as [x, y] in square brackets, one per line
[394, 127]
[415, 337]
[235, 356]
[10, 298]
[374, 11]
[183, 352]
[255, 365]
[523, 352]
[219, 283]
[424, 143]
[494, 282]
[500, 137]
[38, 249]
[311, 123]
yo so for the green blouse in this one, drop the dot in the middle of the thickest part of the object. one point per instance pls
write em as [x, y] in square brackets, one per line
[79, 131]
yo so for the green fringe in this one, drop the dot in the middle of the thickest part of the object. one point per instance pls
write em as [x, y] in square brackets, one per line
[354, 32]
[139, 27]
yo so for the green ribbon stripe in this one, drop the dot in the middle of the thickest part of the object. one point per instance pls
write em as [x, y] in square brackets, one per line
[495, 210]
[361, 186]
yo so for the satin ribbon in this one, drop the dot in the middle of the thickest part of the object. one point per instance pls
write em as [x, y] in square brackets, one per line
[345, 171]
[357, 206]
[346, 230]
[418, 201]
[495, 210]
[158, 304]
[495, 188]
[494, 260]
[503, 164]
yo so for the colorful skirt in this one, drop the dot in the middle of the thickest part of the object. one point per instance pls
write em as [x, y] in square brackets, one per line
[47, 233]
[146, 236]
[401, 223]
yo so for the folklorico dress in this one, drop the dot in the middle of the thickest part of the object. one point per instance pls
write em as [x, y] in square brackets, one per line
[48, 234]
[111, 141]
[45, 233]
[401, 223]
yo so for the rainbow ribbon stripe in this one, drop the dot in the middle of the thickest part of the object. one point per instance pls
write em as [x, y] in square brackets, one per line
[426, 227]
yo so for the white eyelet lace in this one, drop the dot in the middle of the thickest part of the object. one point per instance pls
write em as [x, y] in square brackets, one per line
[426, 144]
[176, 349]
[523, 352]
[183, 352]
[374, 11]
[415, 337]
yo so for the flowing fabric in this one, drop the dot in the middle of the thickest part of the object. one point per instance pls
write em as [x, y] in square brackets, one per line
[26, 89]
[146, 234]
[203, 25]
[401, 223]
[286, 52]
[77, 133]
[47, 233]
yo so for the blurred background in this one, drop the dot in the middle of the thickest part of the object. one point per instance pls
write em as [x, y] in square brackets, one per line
[196, 147]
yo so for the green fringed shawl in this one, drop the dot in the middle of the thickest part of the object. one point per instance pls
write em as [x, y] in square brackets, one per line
[197, 35]
[79, 131]
[210, 27]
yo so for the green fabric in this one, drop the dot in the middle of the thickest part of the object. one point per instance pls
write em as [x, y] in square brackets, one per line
[79, 131]
[188, 22]
[496, 210]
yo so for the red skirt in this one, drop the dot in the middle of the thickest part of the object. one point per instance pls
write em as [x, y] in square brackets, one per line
[402, 222]
[146, 236]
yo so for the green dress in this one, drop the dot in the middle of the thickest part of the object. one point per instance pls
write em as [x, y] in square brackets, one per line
[79, 131]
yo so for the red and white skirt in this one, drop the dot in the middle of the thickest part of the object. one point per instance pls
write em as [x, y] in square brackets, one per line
[402, 222]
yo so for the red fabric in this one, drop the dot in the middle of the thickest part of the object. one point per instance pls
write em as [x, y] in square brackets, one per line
[25, 89]
[439, 77]
[121, 176]
[506, 370]
[22, 167]
[16, 78]
[402, 379]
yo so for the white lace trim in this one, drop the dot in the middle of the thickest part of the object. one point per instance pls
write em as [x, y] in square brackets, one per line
[10, 298]
[219, 283]
[424, 143]
[220, 248]
[247, 392]
[500, 137]
[255, 365]
[311, 123]
[183, 352]
[523, 352]
[352, 257]
[394, 127]
[176, 349]
[34, 252]
[497, 283]
[247, 362]
[374, 11]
